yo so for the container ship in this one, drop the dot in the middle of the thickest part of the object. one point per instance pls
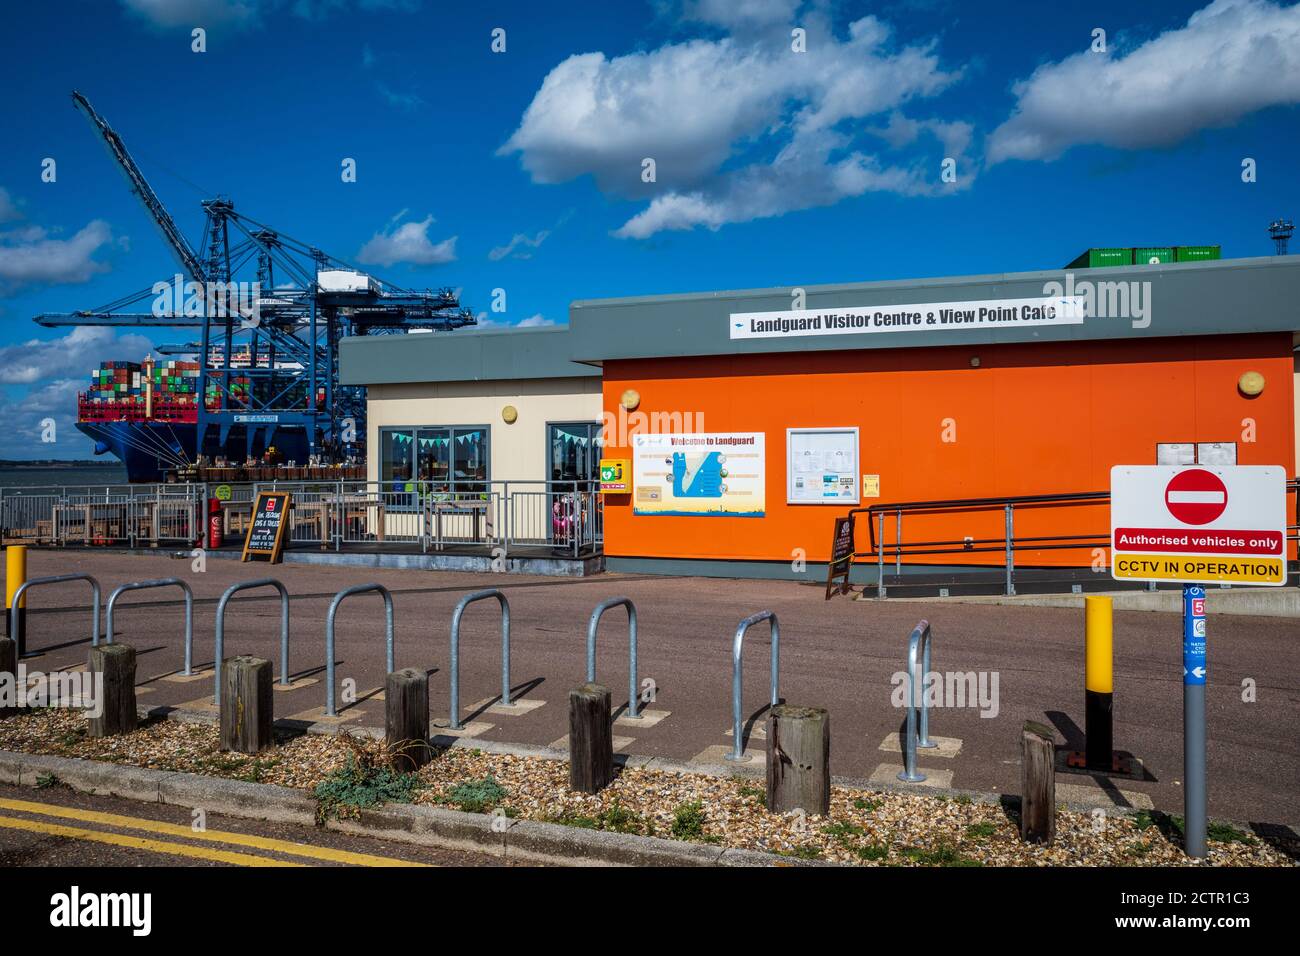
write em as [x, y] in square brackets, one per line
[146, 414]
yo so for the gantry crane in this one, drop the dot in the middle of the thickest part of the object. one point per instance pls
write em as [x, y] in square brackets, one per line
[306, 302]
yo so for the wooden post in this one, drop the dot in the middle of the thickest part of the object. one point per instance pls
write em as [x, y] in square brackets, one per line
[9, 665]
[799, 760]
[115, 664]
[406, 718]
[246, 708]
[591, 739]
[1037, 784]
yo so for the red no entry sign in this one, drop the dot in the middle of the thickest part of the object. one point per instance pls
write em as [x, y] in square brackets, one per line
[1196, 496]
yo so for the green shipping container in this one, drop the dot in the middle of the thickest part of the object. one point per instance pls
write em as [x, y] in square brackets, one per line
[1196, 253]
[1102, 258]
[1152, 255]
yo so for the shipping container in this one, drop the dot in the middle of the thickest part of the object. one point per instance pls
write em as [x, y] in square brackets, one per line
[1196, 253]
[1152, 255]
[1102, 258]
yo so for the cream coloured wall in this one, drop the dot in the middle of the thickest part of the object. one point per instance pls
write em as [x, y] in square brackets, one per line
[519, 450]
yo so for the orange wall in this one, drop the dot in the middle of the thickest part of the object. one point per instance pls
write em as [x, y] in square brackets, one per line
[1031, 419]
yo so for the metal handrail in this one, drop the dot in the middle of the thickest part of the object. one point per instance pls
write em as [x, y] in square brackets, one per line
[455, 649]
[329, 636]
[20, 635]
[592, 625]
[159, 583]
[737, 647]
[221, 628]
[970, 504]
[918, 645]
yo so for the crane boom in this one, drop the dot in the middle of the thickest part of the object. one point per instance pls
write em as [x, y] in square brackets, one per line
[189, 261]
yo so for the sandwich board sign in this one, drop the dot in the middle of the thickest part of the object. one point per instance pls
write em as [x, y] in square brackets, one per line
[1198, 524]
[266, 529]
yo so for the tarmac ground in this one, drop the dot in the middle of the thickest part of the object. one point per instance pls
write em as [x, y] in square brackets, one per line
[840, 654]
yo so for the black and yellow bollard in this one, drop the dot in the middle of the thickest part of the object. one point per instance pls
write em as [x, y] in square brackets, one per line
[15, 577]
[1099, 683]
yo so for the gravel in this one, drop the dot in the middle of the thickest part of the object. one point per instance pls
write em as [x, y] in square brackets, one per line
[864, 827]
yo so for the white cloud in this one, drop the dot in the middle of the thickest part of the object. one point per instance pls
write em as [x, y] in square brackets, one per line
[520, 246]
[706, 110]
[247, 13]
[408, 243]
[1231, 58]
[23, 416]
[741, 14]
[535, 321]
[8, 208]
[197, 13]
[28, 255]
[82, 348]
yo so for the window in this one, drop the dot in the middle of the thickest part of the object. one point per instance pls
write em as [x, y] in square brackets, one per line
[574, 451]
[445, 459]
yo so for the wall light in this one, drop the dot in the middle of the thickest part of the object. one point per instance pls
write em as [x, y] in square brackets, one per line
[1250, 384]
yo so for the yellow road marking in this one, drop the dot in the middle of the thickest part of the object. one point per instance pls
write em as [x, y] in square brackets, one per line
[217, 836]
[139, 843]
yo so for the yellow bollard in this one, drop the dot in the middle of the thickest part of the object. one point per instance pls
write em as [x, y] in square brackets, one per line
[15, 577]
[1099, 681]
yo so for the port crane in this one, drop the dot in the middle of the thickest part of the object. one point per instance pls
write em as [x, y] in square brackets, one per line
[306, 301]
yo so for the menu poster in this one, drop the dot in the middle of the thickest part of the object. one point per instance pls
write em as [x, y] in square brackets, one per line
[841, 562]
[267, 528]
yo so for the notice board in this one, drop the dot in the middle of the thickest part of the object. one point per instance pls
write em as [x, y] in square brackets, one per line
[267, 528]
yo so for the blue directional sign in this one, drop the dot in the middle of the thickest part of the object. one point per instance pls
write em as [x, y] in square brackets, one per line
[1194, 668]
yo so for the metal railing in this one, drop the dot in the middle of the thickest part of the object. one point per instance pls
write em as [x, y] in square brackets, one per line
[593, 625]
[221, 629]
[1008, 543]
[329, 636]
[160, 583]
[564, 517]
[455, 649]
[20, 634]
[918, 650]
[737, 647]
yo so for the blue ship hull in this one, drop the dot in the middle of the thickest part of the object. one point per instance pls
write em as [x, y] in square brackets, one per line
[147, 448]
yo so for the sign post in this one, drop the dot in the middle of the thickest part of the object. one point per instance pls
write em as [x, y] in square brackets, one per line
[1197, 525]
[1194, 719]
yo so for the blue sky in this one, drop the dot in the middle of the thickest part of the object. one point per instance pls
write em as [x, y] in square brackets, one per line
[522, 170]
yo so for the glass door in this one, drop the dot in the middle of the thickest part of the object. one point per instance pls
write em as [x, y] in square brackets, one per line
[573, 466]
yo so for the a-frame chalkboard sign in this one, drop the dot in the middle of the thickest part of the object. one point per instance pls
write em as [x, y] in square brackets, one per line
[267, 528]
[841, 563]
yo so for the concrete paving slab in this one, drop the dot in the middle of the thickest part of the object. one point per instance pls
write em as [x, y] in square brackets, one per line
[887, 773]
[948, 747]
[620, 743]
[317, 715]
[475, 728]
[294, 684]
[186, 678]
[720, 753]
[1094, 794]
[516, 708]
[647, 718]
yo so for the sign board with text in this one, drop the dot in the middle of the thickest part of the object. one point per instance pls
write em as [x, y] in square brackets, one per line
[267, 527]
[1221, 525]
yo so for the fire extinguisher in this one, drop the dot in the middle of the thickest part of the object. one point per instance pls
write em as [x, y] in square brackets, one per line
[214, 523]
